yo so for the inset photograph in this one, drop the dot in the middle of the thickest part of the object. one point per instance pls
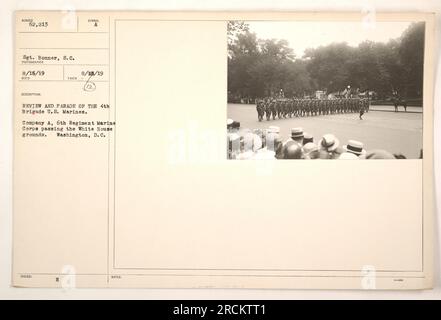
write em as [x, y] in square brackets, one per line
[325, 90]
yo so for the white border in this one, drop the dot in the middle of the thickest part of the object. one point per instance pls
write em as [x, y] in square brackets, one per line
[7, 7]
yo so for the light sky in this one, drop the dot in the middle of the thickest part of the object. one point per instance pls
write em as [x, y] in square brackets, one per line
[305, 34]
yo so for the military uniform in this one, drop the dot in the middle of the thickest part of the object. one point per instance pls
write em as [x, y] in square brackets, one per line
[260, 109]
[361, 106]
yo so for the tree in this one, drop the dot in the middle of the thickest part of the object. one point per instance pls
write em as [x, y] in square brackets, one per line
[411, 53]
[261, 67]
[234, 29]
[243, 55]
[331, 65]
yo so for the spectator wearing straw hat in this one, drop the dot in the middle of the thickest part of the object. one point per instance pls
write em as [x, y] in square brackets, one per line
[307, 138]
[292, 150]
[297, 135]
[355, 147]
[328, 145]
[311, 151]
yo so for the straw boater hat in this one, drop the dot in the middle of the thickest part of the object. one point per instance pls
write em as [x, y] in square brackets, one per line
[307, 138]
[355, 147]
[233, 124]
[309, 147]
[311, 150]
[329, 143]
[296, 133]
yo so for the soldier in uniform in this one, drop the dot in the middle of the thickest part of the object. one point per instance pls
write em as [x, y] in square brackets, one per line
[361, 106]
[293, 106]
[395, 100]
[282, 109]
[276, 109]
[273, 108]
[285, 109]
[268, 109]
[309, 107]
[305, 107]
[260, 109]
[290, 107]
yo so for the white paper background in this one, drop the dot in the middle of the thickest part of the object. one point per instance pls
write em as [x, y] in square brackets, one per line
[6, 84]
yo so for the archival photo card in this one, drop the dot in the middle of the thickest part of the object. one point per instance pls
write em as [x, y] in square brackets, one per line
[125, 124]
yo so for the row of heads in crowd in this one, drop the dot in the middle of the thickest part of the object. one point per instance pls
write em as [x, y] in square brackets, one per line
[263, 144]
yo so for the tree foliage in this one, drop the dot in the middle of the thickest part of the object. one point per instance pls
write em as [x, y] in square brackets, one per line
[261, 67]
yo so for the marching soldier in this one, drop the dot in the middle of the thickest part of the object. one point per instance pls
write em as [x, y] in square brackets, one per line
[291, 108]
[277, 109]
[268, 109]
[273, 108]
[361, 106]
[286, 109]
[260, 109]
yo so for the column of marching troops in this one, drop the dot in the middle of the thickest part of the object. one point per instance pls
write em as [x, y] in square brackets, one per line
[287, 108]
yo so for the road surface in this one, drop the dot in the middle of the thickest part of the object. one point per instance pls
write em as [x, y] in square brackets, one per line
[395, 132]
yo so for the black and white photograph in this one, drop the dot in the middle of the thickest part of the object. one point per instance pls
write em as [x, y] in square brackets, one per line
[325, 90]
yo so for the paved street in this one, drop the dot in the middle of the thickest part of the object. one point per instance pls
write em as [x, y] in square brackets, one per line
[396, 132]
